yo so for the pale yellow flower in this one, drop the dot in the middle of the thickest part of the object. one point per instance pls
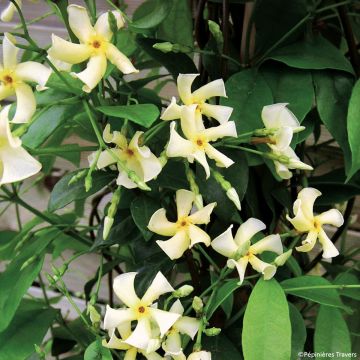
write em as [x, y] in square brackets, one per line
[306, 222]
[240, 251]
[143, 310]
[95, 46]
[198, 98]
[197, 145]
[16, 163]
[185, 234]
[14, 77]
[137, 158]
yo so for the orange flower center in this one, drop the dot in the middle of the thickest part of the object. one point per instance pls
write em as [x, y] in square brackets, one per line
[129, 152]
[141, 309]
[96, 44]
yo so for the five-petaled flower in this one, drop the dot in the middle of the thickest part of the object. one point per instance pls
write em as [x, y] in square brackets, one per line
[137, 158]
[142, 310]
[305, 221]
[197, 143]
[14, 77]
[198, 98]
[240, 251]
[184, 231]
[16, 163]
[95, 46]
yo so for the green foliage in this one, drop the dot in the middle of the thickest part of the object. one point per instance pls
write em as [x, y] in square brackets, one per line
[95, 351]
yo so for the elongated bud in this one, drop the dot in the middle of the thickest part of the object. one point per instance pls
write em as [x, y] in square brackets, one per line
[29, 262]
[234, 197]
[52, 279]
[194, 187]
[184, 291]
[217, 34]
[109, 219]
[95, 317]
[166, 47]
[108, 223]
[212, 331]
[163, 158]
[78, 176]
[197, 305]
[283, 258]
[199, 203]
[133, 176]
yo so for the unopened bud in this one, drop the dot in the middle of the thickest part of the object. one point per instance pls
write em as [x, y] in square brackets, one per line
[197, 305]
[164, 47]
[212, 331]
[200, 355]
[199, 201]
[234, 197]
[108, 223]
[94, 315]
[281, 259]
[88, 181]
[29, 262]
[217, 34]
[184, 291]
[78, 176]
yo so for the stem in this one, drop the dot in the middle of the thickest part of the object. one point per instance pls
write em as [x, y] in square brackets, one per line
[149, 134]
[62, 149]
[319, 287]
[208, 258]
[212, 53]
[35, 20]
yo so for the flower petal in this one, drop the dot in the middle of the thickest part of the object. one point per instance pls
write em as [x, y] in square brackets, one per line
[307, 197]
[6, 91]
[80, 23]
[198, 235]
[67, 51]
[218, 112]
[309, 242]
[158, 287]
[262, 267]
[184, 82]
[123, 180]
[34, 72]
[283, 258]
[124, 289]
[8, 13]
[187, 325]
[200, 355]
[213, 88]
[105, 159]
[269, 243]
[117, 58]
[189, 123]
[200, 157]
[159, 224]
[278, 115]
[25, 104]
[172, 112]
[115, 317]
[332, 217]
[329, 249]
[142, 334]
[178, 146]
[177, 307]
[283, 137]
[172, 344]
[131, 354]
[175, 247]
[282, 170]
[300, 221]
[218, 132]
[102, 24]
[221, 159]
[247, 230]
[115, 343]
[10, 51]
[202, 216]
[240, 265]
[94, 72]
[164, 319]
[115, 137]
[184, 202]
[224, 244]
[153, 356]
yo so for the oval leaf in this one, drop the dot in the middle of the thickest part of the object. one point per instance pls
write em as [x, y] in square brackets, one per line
[95, 351]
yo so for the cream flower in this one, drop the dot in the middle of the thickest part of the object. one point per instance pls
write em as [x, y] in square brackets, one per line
[200, 355]
[197, 143]
[185, 234]
[282, 122]
[14, 77]
[304, 221]
[16, 163]
[95, 46]
[184, 325]
[198, 98]
[141, 310]
[240, 251]
[287, 160]
[137, 158]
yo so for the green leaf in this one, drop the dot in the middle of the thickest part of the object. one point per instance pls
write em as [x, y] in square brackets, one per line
[353, 126]
[313, 54]
[95, 351]
[55, 82]
[221, 348]
[247, 93]
[154, 12]
[28, 327]
[348, 278]
[331, 333]
[63, 193]
[47, 123]
[141, 114]
[298, 331]
[142, 208]
[178, 25]
[173, 176]
[332, 91]
[266, 328]
[221, 295]
[313, 288]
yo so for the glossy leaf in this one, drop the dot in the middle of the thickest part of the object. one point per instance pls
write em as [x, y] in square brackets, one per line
[95, 351]
[298, 331]
[221, 348]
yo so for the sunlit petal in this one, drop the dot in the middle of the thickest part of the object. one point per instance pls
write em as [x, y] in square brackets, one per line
[283, 137]
[10, 51]
[198, 235]
[188, 121]
[172, 344]
[218, 132]
[329, 249]
[178, 146]
[115, 317]
[262, 267]
[159, 224]
[278, 115]
[184, 82]
[125, 290]
[221, 159]
[282, 170]
[247, 230]
[102, 24]
[300, 221]
[218, 112]
[202, 216]
[224, 244]
[175, 247]
[164, 319]
[34, 72]
[213, 88]
[331, 217]
[307, 197]
[6, 91]
[240, 265]
[25, 103]
[141, 336]
[309, 242]
[172, 112]
[184, 201]
[200, 157]
[187, 325]
[158, 287]
[117, 58]
[80, 23]
[269, 243]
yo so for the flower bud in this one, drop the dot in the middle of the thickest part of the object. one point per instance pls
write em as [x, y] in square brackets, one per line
[234, 197]
[184, 291]
[108, 223]
[281, 259]
[214, 331]
[164, 47]
[217, 34]
[200, 355]
[199, 201]
[197, 305]
[94, 315]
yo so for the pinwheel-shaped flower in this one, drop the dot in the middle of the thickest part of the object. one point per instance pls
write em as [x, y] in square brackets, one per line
[197, 143]
[137, 158]
[198, 98]
[14, 77]
[141, 310]
[184, 325]
[281, 123]
[306, 222]
[95, 46]
[184, 231]
[16, 163]
[130, 351]
[240, 251]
